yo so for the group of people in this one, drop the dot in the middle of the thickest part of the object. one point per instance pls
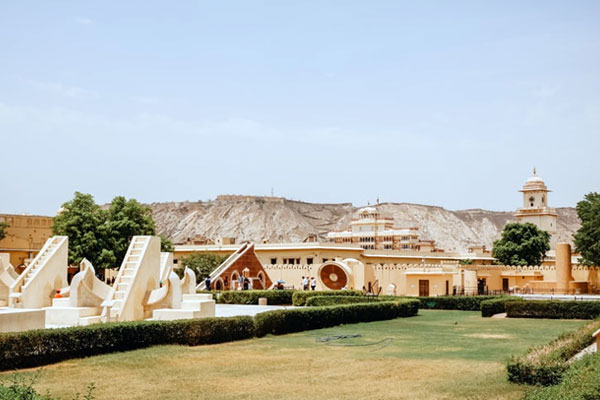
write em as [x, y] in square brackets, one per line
[309, 283]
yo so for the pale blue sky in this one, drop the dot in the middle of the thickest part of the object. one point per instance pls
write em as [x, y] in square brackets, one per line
[442, 103]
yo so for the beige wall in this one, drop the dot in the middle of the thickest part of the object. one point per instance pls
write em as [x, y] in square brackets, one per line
[25, 236]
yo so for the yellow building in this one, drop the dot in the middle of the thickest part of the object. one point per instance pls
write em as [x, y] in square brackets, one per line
[25, 236]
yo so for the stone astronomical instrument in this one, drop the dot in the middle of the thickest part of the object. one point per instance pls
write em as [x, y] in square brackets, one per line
[333, 276]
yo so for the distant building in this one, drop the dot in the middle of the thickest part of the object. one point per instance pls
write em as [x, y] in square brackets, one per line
[25, 236]
[535, 207]
[373, 231]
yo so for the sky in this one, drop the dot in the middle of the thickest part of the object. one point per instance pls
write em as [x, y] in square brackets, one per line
[440, 103]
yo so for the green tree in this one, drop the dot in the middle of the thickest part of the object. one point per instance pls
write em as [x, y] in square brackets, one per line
[587, 238]
[201, 263]
[521, 244]
[126, 219]
[83, 221]
[3, 227]
[103, 236]
[166, 244]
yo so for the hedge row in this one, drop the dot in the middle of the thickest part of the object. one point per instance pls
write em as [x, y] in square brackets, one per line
[464, 303]
[554, 309]
[544, 365]
[279, 322]
[319, 301]
[45, 346]
[496, 306]
[274, 297]
[299, 297]
[580, 382]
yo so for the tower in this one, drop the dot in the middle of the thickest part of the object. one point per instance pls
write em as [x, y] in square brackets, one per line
[535, 207]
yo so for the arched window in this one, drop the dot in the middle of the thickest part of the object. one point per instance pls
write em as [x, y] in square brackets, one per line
[531, 200]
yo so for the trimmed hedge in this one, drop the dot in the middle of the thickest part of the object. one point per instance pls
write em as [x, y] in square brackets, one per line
[274, 297]
[296, 320]
[553, 309]
[44, 346]
[544, 365]
[464, 303]
[319, 301]
[580, 382]
[299, 298]
[496, 306]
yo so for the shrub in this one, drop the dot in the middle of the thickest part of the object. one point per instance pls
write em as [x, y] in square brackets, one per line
[496, 306]
[464, 303]
[554, 309]
[299, 298]
[580, 382]
[274, 297]
[545, 365]
[44, 346]
[295, 320]
[318, 301]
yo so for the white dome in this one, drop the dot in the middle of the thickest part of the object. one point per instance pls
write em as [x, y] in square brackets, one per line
[534, 179]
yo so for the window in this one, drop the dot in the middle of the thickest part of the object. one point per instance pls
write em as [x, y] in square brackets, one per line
[273, 260]
[309, 260]
[174, 261]
[325, 260]
[531, 200]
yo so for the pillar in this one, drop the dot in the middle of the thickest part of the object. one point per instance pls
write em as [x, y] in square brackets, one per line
[563, 267]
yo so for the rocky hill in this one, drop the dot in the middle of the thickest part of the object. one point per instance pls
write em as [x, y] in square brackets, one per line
[281, 220]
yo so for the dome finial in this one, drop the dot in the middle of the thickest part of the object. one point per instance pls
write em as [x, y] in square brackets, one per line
[534, 171]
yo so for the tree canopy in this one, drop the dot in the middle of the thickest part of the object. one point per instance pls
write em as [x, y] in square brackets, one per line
[521, 244]
[201, 263]
[3, 227]
[587, 238]
[102, 236]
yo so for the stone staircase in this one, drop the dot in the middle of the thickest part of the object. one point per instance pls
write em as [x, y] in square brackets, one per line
[34, 270]
[121, 305]
[192, 306]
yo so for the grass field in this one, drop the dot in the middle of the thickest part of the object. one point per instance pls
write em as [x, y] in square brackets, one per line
[437, 355]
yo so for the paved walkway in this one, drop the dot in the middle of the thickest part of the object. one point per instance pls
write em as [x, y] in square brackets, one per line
[232, 310]
[563, 297]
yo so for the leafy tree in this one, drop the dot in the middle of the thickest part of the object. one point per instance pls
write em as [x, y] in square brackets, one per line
[166, 244]
[521, 244]
[201, 263]
[83, 221]
[126, 219]
[3, 227]
[465, 261]
[103, 236]
[587, 238]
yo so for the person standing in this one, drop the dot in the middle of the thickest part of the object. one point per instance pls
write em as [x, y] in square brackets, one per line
[305, 283]
[313, 283]
[302, 282]
[207, 283]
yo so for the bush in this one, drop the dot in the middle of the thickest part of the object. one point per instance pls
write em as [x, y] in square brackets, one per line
[554, 309]
[295, 320]
[274, 297]
[299, 298]
[580, 382]
[319, 301]
[44, 346]
[464, 303]
[545, 365]
[496, 306]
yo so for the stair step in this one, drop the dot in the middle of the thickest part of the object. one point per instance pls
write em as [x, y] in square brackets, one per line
[119, 294]
[94, 319]
[122, 286]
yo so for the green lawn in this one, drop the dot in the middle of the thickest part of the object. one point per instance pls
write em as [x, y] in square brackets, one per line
[437, 355]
